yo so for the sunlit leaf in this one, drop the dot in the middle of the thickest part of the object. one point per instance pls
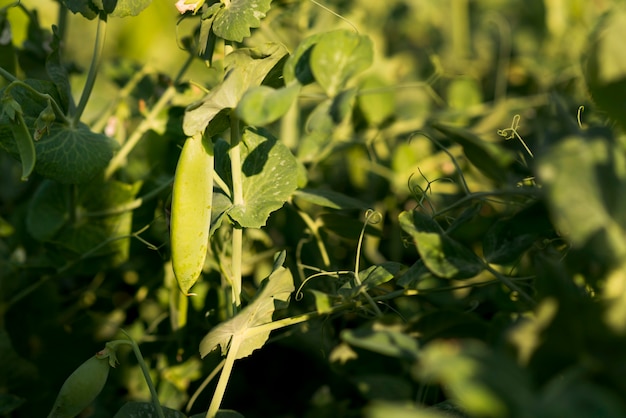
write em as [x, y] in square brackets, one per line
[234, 21]
[263, 105]
[245, 68]
[337, 57]
[247, 325]
[268, 178]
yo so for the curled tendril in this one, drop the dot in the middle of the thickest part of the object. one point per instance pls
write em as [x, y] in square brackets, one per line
[579, 115]
[511, 133]
[423, 193]
[300, 293]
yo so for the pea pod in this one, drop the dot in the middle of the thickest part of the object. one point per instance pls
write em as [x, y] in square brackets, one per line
[25, 144]
[192, 199]
[81, 387]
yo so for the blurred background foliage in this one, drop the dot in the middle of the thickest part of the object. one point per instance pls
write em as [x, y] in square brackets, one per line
[472, 65]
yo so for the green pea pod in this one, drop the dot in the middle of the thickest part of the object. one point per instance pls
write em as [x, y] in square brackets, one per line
[25, 144]
[81, 388]
[192, 199]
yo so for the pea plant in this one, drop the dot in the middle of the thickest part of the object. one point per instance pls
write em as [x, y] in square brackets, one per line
[328, 210]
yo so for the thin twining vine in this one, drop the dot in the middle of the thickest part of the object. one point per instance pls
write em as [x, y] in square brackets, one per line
[371, 217]
[511, 133]
[421, 194]
[445, 150]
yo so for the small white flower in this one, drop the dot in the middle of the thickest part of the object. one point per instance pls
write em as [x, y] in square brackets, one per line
[187, 5]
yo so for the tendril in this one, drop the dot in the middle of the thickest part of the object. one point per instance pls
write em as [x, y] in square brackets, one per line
[511, 133]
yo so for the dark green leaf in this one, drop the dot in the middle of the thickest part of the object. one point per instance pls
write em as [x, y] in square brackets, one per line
[121, 8]
[442, 255]
[145, 410]
[387, 342]
[508, 239]
[84, 7]
[58, 73]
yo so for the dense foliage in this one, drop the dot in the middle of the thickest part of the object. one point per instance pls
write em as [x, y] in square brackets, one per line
[405, 208]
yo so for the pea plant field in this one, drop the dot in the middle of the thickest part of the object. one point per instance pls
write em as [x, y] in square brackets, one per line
[312, 208]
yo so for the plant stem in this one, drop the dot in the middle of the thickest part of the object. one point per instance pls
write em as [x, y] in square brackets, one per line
[237, 179]
[93, 69]
[146, 375]
[119, 158]
[220, 389]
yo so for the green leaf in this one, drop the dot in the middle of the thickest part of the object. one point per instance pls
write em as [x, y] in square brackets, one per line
[101, 224]
[400, 410]
[269, 178]
[48, 210]
[24, 145]
[577, 192]
[376, 101]
[605, 66]
[329, 199]
[387, 342]
[442, 255]
[248, 324]
[121, 8]
[245, 68]
[298, 66]
[482, 382]
[84, 7]
[65, 154]
[233, 22]
[145, 410]
[337, 57]
[73, 155]
[509, 238]
[263, 105]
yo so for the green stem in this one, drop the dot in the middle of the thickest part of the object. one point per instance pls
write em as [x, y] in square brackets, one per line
[146, 375]
[118, 159]
[220, 389]
[93, 69]
[8, 76]
[237, 179]
[314, 229]
[58, 112]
